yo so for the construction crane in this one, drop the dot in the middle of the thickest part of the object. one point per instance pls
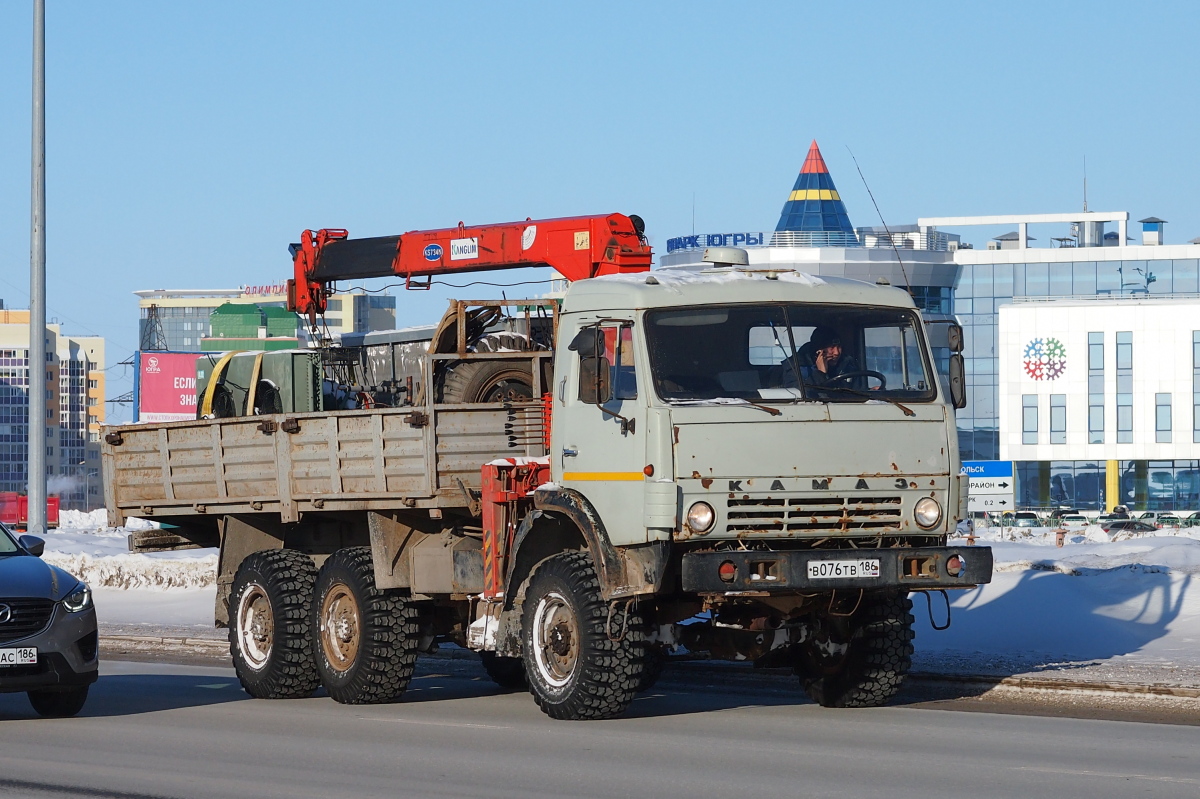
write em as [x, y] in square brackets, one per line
[577, 247]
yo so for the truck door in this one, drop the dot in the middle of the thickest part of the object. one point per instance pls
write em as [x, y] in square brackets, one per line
[597, 447]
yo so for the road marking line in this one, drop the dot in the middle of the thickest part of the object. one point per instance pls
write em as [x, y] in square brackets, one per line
[439, 723]
[1184, 780]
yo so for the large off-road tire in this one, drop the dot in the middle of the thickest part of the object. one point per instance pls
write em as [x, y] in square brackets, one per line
[486, 381]
[364, 638]
[574, 668]
[504, 671]
[270, 603]
[655, 662]
[878, 656]
[58, 704]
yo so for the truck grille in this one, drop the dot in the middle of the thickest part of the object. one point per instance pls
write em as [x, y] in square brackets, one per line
[28, 617]
[814, 513]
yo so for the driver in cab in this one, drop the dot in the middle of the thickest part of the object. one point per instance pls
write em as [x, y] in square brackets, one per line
[822, 361]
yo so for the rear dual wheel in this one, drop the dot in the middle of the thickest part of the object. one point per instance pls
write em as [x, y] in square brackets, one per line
[365, 638]
[269, 638]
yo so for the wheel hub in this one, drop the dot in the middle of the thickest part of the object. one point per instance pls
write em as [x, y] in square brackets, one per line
[340, 627]
[560, 639]
[555, 639]
[255, 626]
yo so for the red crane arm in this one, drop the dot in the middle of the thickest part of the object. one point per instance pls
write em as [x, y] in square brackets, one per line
[577, 247]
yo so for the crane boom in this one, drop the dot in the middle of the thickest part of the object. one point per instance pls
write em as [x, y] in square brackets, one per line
[577, 247]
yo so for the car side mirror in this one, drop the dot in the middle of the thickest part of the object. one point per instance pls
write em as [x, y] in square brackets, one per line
[954, 337]
[958, 381]
[595, 380]
[32, 544]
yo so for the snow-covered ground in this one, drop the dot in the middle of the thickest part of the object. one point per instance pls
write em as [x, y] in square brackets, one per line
[1096, 608]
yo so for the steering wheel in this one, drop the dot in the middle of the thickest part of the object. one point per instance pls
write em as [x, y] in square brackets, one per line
[861, 373]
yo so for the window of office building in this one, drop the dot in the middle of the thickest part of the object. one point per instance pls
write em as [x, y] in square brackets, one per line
[1162, 418]
[1095, 388]
[1196, 386]
[1058, 418]
[1029, 420]
[1125, 387]
[1160, 485]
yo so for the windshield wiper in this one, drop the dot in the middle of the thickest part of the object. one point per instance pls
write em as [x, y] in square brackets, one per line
[868, 395]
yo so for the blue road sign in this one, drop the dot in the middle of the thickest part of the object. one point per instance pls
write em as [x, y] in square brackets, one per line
[987, 468]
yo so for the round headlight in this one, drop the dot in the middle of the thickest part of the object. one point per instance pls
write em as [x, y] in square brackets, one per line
[700, 517]
[927, 512]
[79, 599]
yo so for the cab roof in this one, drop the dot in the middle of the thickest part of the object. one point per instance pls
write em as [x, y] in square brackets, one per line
[664, 288]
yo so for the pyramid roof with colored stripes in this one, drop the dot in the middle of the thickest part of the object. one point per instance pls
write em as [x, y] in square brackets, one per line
[814, 207]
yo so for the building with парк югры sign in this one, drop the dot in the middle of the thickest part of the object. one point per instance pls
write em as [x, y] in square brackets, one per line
[1083, 367]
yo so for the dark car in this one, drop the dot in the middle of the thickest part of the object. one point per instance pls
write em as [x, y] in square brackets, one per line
[48, 643]
[1127, 526]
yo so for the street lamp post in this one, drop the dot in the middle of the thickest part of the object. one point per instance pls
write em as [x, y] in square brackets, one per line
[87, 496]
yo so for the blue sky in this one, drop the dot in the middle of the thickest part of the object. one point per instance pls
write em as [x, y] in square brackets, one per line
[190, 142]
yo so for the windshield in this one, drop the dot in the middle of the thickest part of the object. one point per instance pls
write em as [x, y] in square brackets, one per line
[787, 352]
[8, 546]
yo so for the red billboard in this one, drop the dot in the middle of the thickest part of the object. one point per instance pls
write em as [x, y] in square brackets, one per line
[166, 386]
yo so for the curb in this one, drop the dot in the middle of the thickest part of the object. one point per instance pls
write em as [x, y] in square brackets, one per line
[701, 668]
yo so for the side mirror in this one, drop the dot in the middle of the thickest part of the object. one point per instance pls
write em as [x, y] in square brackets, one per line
[954, 337]
[595, 380]
[32, 544]
[588, 342]
[958, 381]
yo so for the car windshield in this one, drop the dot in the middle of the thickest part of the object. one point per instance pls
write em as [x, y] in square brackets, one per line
[788, 352]
[8, 545]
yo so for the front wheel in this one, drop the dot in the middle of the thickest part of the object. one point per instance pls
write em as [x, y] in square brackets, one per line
[58, 704]
[366, 638]
[574, 667]
[860, 661]
[269, 639]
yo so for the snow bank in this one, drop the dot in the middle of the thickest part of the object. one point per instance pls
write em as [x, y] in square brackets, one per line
[138, 571]
[100, 556]
[97, 520]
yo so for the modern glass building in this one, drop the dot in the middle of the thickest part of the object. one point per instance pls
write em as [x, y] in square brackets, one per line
[1091, 259]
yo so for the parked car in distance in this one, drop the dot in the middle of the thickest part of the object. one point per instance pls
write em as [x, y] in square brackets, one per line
[1160, 518]
[1073, 521]
[1127, 526]
[49, 647]
[1025, 518]
[1192, 520]
[1057, 514]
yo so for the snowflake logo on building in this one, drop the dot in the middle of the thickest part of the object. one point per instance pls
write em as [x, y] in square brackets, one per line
[1045, 359]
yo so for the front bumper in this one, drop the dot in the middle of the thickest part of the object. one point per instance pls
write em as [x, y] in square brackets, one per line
[765, 572]
[68, 654]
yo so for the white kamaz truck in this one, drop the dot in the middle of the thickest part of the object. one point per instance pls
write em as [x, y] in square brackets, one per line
[756, 464]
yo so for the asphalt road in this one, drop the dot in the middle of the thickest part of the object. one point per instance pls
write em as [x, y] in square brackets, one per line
[165, 730]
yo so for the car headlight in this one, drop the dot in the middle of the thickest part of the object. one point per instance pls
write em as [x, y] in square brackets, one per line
[927, 512]
[79, 599]
[700, 517]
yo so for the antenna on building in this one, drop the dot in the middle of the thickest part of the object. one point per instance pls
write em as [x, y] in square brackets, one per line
[153, 337]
